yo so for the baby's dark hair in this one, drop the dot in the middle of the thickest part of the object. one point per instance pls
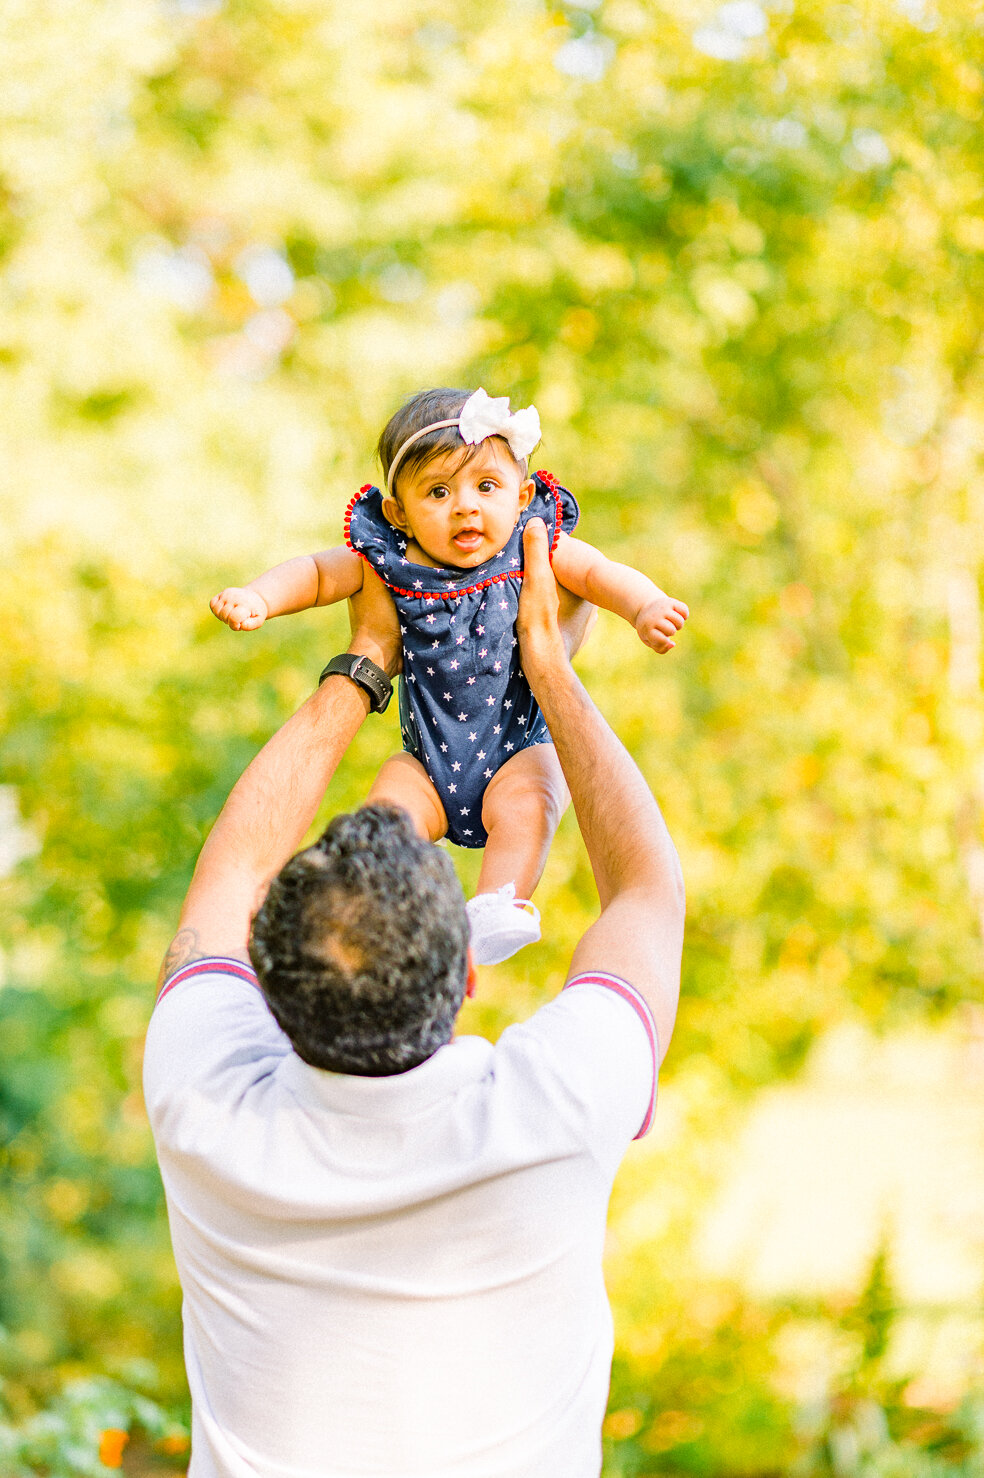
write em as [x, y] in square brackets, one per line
[421, 410]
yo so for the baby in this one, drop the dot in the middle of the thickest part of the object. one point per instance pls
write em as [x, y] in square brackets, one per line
[445, 535]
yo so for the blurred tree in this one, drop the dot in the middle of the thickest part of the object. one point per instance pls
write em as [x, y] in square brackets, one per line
[735, 256]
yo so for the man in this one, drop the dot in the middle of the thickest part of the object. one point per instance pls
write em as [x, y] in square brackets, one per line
[390, 1241]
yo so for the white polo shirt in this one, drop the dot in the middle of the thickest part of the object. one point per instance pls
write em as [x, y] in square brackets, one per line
[395, 1276]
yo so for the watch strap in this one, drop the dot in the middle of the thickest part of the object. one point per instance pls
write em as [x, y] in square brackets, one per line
[364, 672]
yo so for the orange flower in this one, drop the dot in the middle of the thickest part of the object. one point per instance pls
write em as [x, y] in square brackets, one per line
[111, 1445]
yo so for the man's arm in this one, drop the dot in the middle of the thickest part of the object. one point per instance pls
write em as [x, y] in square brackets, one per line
[639, 934]
[274, 802]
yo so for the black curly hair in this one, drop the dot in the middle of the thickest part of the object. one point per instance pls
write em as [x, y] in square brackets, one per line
[361, 946]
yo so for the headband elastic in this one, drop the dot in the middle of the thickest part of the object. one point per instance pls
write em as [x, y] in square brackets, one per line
[481, 417]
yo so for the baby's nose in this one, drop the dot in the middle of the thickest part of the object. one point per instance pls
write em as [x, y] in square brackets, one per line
[466, 500]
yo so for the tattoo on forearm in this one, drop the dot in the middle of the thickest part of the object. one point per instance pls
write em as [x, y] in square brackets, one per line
[184, 947]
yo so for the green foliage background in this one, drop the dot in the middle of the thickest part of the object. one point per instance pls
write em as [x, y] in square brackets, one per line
[744, 293]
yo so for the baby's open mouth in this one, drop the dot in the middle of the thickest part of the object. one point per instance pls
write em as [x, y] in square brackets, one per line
[468, 539]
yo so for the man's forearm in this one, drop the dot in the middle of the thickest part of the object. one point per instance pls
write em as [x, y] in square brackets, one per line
[277, 797]
[265, 819]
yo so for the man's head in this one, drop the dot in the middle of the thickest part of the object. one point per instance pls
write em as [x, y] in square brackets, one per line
[361, 946]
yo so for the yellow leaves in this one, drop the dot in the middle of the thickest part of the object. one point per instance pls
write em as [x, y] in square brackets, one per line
[66, 1199]
[756, 510]
[723, 300]
[579, 329]
[670, 1429]
[796, 600]
[619, 1425]
[968, 233]
[88, 1274]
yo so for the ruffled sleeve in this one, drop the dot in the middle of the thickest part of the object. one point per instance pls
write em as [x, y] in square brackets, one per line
[368, 534]
[554, 504]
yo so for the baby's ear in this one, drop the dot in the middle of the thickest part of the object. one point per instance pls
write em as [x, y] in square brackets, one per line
[526, 492]
[394, 514]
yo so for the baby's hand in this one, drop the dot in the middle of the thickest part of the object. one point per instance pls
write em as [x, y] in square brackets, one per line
[243, 610]
[659, 621]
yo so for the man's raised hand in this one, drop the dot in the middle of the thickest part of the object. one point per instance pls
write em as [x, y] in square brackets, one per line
[540, 641]
[242, 609]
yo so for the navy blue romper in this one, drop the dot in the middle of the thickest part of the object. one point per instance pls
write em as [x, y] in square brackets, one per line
[465, 705]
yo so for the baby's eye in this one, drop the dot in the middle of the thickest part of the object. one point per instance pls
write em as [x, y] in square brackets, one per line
[486, 485]
[438, 492]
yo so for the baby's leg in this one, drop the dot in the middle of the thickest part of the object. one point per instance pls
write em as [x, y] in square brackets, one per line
[521, 811]
[403, 781]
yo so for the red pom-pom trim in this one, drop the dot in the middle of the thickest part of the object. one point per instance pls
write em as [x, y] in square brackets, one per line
[547, 478]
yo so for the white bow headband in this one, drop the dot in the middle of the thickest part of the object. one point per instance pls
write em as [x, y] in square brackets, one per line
[481, 417]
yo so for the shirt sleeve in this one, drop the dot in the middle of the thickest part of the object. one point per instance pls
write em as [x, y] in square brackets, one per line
[211, 1037]
[593, 1053]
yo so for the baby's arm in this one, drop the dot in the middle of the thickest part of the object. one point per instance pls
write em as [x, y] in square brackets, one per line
[586, 572]
[310, 580]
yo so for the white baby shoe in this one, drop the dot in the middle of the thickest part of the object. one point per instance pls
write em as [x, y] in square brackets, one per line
[501, 924]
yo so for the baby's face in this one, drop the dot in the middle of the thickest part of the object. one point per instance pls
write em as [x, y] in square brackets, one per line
[462, 515]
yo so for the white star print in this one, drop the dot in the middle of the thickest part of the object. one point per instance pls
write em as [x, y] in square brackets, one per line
[410, 655]
[456, 766]
[514, 641]
[417, 584]
[435, 645]
[404, 630]
[470, 681]
[521, 719]
[497, 667]
[481, 754]
[465, 811]
[462, 718]
[358, 543]
[508, 703]
[514, 561]
[447, 697]
[402, 543]
[467, 831]
[497, 729]
[444, 749]
[430, 672]
[460, 641]
[430, 619]
[509, 746]
[490, 700]
[473, 737]
[452, 789]
[481, 629]
[503, 606]
[488, 774]
[412, 678]
[484, 652]
[454, 667]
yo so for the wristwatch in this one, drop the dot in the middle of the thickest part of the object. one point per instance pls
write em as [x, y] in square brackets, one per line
[364, 672]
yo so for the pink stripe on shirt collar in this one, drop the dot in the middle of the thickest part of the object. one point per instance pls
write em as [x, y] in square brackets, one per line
[211, 965]
[641, 1007]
